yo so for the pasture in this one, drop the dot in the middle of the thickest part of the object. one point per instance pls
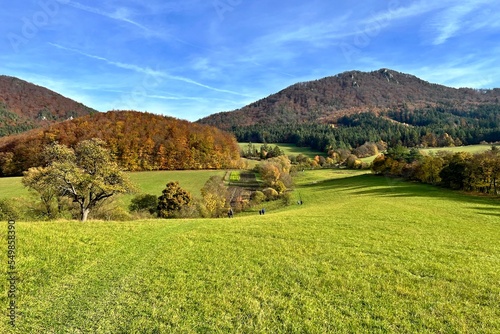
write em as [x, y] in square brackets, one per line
[12, 187]
[470, 149]
[363, 254]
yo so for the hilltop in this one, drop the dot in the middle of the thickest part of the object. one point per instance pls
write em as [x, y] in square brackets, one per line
[25, 106]
[139, 141]
[326, 100]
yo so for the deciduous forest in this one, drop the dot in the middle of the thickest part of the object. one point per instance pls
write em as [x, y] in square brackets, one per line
[139, 141]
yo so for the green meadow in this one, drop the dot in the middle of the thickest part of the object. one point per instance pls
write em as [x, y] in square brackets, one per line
[470, 149]
[363, 254]
[12, 187]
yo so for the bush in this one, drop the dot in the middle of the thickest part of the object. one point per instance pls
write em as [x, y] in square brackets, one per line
[280, 187]
[172, 200]
[270, 193]
[144, 202]
[188, 211]
[286, 198]
[258, 197]
[8, 210]
[110, 210]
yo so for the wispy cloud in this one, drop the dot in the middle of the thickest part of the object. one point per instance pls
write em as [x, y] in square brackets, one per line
[455, 19]
[320, 34]
[395, 11]
[450, 22]
[148, 71]
[121, 14]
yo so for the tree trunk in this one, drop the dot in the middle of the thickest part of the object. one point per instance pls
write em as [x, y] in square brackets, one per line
[84, 214]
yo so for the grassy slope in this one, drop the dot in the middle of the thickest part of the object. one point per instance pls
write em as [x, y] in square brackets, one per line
[470, 149]
[11, 187]
[363, 254]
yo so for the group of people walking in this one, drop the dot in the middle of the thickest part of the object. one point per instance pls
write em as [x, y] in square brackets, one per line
[230, 212]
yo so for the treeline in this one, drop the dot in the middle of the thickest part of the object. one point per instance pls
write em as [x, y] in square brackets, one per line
[460, 171]
[138, 141]
[264, 152]
[429, 127]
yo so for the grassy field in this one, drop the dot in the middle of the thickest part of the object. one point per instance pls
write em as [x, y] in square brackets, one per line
[12, 187]
[470, 149]
[363, 254]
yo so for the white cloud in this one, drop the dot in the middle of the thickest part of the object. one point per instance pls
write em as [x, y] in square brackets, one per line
[148, 71]
[121, 14]
[455, 19]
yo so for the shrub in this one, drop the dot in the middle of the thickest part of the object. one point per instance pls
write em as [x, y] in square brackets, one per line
[270, 193]
[172, 200]
[8, 210]
[286, 198]
[258, 197]
[144, 202]
[280, 187]
[111, 210]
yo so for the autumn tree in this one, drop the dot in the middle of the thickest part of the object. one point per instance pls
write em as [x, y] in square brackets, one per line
[455, 170]
[39, 181]
[275, 173]
[429, 169]
[172, 200]
[214, 194]
[87, 175]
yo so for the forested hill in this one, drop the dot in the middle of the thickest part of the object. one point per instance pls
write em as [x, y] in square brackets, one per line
[326, 100]
[139, 141]
[25, 106]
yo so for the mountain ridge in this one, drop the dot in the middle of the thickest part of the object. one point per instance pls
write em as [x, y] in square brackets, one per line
[25, 106]
[325, 100]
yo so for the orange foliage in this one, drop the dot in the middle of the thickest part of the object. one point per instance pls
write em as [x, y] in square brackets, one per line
[139, 141]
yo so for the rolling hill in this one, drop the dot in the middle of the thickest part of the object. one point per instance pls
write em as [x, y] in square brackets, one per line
[25, 106]
[327, 99]
[139, 141]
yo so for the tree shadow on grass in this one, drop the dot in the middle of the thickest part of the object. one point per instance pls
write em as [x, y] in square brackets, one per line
[373, 185]
[490, 211]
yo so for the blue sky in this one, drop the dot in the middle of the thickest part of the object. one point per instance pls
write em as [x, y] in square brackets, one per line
[192, 58]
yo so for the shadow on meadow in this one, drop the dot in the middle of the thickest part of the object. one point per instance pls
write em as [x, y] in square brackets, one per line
[373, 185]
[495, 212]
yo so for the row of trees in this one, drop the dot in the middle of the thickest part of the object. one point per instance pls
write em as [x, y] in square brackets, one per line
[264, 152]
[478, 172]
